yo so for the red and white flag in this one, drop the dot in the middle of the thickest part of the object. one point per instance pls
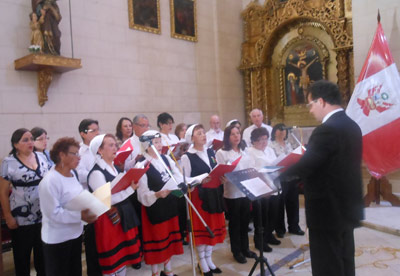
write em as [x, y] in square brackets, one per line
[375, 106]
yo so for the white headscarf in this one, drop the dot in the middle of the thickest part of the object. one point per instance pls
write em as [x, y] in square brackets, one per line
[231, 121]
[96, 143]
[145, 145]
[189, 133]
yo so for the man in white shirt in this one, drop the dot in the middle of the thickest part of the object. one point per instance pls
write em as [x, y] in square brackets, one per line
[215, 131]
[256, 116]
[140, 126]
[88, 129]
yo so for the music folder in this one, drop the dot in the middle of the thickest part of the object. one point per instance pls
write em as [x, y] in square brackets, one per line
[217, 144]
[123, 180]
[219, 171]
[123, 153]
[252, 183]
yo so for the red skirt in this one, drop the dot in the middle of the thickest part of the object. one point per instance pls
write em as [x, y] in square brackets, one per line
[160, 241]
[216, 222]
[115, 247]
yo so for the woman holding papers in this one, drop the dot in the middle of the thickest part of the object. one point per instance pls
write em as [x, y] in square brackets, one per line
[21, 173]
[124, 130]
[262, 156]
[289, 198]
[62, 228]
[116, 231]
[237, 203]
[208, 201]
[160, 224]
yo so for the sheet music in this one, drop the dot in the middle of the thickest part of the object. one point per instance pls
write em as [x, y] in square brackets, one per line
[86, 200]
[256, 186]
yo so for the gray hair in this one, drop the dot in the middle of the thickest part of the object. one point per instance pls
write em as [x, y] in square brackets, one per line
[138, 117]
[254, 110]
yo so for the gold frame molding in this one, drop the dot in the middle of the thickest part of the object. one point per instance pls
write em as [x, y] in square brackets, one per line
[265, 27]
[172, 14]
[144, 28]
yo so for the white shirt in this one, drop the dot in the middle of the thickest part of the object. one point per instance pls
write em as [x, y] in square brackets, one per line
[145, 195]
[97, 179]
[260, 158]
[59, 224]
[247, 133]
[85, 164]
[214, 134]
[327, 116]
[169, 140]
[185, 161]
[279, 149]
[130, 161]
[225, 157]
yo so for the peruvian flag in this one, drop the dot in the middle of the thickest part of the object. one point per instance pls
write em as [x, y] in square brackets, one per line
[375, 106]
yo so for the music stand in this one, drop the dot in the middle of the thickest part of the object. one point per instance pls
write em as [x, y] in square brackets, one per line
[242, 180]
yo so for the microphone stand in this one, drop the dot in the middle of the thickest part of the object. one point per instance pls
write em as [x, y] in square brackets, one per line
[188, 202]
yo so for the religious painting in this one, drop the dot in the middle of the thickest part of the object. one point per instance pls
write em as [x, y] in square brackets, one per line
[183, 19]
[302, 68]
[144, 15]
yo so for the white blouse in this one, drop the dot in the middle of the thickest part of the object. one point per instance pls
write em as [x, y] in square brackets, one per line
[260, 158]
[169, 140]
[97, 179]
[59, 224]
[227, 157]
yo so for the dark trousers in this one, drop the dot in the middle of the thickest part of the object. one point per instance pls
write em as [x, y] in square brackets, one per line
[269, 208]
[239, 217]
[332, 252]
[92, 260]
[289, 200]
[24, 239]
[64, 259]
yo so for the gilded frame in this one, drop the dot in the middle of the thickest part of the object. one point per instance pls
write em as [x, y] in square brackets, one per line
[186, 12]
[150, 12]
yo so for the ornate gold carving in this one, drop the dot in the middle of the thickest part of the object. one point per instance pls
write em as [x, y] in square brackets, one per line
[266, 25]
[45, 76]
[45, 65]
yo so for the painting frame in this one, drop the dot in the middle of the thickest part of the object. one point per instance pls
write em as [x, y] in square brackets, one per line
[184, 19]
[149, 19]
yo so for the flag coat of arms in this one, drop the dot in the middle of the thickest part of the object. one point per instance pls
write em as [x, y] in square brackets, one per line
[375, 106]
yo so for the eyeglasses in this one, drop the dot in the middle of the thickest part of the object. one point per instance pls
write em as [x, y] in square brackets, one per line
[92, 130]
[143, 125]
[74, 153]
[42, 139]
[27, 140]
[311, 103]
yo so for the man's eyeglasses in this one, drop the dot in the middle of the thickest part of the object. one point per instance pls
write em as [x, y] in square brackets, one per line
[143, 125]
[91, 130]
[311, 103]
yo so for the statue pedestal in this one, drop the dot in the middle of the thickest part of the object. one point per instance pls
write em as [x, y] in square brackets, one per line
[46, 65]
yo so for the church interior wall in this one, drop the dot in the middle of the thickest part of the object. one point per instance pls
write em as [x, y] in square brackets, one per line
[124, 71]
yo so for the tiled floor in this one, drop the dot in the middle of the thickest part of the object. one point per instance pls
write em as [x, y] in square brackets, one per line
[377, 252]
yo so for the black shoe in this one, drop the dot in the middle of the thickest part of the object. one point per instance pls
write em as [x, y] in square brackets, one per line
[249, 254]
[240, 258]
[280, 234]
[216, 270]
[184, 242]
[298, 232]
[266, 247]
[162, 273]
[274, 241]
[137, 266]
[209, 273]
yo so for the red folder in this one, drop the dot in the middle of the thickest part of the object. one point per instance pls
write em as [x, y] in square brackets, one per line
[291, 158]
[218, 171]
[217, 144]
[133, 174]
[123, 153]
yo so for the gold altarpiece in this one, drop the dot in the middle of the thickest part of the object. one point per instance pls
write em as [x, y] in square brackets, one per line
[288, 45]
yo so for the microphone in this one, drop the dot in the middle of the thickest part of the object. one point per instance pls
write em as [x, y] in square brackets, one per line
[149, 137]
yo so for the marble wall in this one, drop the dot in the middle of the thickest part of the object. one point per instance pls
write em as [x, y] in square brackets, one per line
[124, 71]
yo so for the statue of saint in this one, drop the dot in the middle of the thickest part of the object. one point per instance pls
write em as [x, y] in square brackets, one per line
[50, 31]
[35, 25]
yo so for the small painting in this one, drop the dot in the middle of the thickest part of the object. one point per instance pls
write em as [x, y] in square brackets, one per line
[183, 19]
[144, 15]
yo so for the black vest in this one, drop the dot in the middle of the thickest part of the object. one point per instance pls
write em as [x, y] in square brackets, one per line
[164, 208]
[212, 197]
[126, 211]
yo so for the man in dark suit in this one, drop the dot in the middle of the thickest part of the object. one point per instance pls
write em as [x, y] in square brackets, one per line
[331, 172]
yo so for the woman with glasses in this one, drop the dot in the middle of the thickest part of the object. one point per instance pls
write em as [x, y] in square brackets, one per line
[40, 144]
[116, 232]
[165, 122]
[261, 155]
[62, 229]
[21, 173]
[124, 130]
[289, 198]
